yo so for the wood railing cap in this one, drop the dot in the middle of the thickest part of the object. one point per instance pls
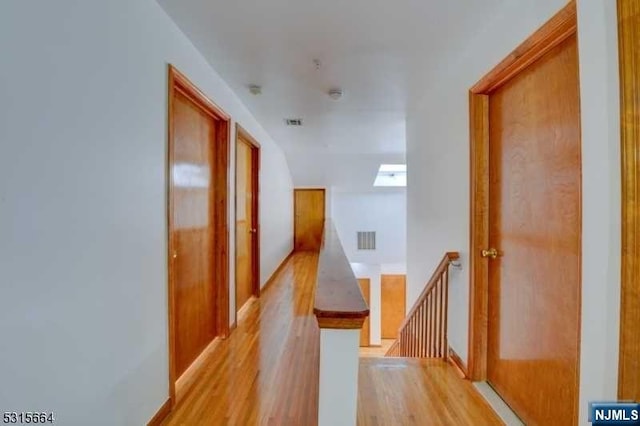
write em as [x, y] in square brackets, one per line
[338, 301]
[440, 269]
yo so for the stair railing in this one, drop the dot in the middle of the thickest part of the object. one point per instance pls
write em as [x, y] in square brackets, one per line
[423, 334]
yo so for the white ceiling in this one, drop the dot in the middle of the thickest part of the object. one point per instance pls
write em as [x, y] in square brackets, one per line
[372, 49]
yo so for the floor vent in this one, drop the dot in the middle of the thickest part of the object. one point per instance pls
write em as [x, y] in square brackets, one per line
[366, 240]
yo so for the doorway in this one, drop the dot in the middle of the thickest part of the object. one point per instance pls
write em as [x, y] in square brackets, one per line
[393, 294]
[247, 218]
[197, 225]
[526, 226]
[309, 206]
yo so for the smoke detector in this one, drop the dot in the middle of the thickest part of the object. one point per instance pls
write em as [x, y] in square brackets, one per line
[335, 94]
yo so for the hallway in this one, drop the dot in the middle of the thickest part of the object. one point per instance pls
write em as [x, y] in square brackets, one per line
[267, 372]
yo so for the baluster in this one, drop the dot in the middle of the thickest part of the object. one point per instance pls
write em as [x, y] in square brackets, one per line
[409, 342]
[414, 321]
[426, 325]
[433, 323]
[439, 313]
[442, 348]
[416, 349]
[423, 336]
[446, 313]
[433, 320]
[431, 330]
[421, 331]
[414, 325]
[426, 328]
[418, 327]
[436, 315]
[410, 338]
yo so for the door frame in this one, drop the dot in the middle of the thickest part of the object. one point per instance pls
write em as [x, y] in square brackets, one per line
[179, 82]
[243, 134]
[560, 27]
[628, 34]
[324, 207]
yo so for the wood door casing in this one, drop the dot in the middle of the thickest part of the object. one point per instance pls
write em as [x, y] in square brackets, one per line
[247, 226]
[309, 207]
[535, 223]
[365, 332]
[629, 56]
[197, 225]
[393, 293]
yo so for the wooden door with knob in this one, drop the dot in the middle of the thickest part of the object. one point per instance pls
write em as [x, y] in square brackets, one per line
[534, 239]
[247, 236]
[198, 238]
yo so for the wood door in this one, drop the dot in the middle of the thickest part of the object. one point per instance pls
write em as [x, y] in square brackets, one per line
[198, 302]
[393, 304]
[365, 286]
[535, 224]
[247, 229]
[309, 218]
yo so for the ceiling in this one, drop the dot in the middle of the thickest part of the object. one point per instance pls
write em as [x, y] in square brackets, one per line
[373, 50]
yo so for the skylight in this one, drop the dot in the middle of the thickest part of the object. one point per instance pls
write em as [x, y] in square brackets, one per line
[391, 175]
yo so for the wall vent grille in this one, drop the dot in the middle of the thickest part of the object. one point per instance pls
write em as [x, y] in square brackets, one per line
[366, 240]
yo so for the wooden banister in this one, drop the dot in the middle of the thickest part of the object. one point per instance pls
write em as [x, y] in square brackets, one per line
[423, 332]
[338, 302]
[340, 310]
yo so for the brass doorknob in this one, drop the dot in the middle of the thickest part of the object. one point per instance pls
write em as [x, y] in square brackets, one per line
[492, 253]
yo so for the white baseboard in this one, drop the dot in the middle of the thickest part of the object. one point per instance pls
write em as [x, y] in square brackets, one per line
[499, 406]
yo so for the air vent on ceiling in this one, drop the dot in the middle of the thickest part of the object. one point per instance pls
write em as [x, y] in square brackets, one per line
[366, 240]
[293, 121]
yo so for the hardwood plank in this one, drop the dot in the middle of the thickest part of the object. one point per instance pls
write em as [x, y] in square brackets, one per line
[411, 391]
[629, 50]
[377, 351]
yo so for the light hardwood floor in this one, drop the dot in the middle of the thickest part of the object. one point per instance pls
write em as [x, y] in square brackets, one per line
[376, 351]
[266, 372]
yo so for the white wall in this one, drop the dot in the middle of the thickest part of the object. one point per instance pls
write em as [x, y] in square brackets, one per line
[383, 212]
[438, 151]
[601, 214]
[83, 243]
